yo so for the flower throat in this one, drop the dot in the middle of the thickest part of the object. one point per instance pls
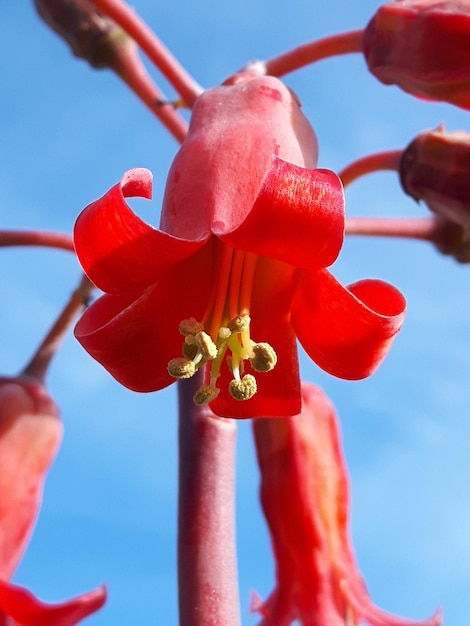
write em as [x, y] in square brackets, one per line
[224, 331]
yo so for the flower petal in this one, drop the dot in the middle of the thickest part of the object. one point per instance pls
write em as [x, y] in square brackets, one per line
[25, 609]
[346, 331]
[297, 217]
[120, 252]
[134, 338]
[30, 434]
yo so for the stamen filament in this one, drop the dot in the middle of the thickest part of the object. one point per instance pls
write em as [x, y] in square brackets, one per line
[222, 282]
[235, 282]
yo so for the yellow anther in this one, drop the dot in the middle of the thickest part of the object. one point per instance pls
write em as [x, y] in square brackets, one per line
[205, 394]
[239, 324]
[206, 345]
[243, 389]
[264, 359]
[181, 368]
[190, 327]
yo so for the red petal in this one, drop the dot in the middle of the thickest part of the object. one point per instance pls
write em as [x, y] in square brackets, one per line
[26, 610]
[117, 250]
[278, 392]
[30, 434]
[346, 331]
[298, 217]
[134, 338]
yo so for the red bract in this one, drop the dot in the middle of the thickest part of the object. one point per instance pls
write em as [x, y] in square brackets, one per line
[423, 47]
[247, 228]
[305, 497]
[30, 434]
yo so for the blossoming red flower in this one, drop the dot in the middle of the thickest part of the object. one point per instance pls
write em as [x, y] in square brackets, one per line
[30, 433]
[237, 269]
[305, 497]
[423, 47]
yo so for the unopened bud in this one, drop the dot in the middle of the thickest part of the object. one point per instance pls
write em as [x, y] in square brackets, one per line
[90, 34]
[422, 46]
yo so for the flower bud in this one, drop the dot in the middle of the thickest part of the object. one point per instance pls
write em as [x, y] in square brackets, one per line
[435, 168]
[30, 434]
[423, 47]
[90, 34]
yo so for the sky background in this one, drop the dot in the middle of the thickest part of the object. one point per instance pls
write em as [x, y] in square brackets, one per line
[66, 136]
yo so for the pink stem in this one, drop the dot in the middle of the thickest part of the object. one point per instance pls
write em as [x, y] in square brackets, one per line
[372, 163]
[136, 28]
[434, 229]
[130, 68]
[207, 562]
[36, 238]
[39, 363]
[309, 53]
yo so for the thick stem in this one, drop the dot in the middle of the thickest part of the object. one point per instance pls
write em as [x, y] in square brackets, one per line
[39, 363]
[157, 52]
[389, 160]
[334, 45]
[36, 238]
[207, 563]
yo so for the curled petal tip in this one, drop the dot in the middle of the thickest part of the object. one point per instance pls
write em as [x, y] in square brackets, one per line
[137, 182]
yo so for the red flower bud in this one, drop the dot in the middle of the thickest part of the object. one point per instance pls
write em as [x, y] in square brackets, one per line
[423, 46]
[30, 434]
[435, 168]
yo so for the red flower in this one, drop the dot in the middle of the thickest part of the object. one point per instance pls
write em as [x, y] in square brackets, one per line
[247, 228]
[305, 497]
[30, 434]
[423, 47]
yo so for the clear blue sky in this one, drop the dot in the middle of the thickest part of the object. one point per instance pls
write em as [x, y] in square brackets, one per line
[109, 514]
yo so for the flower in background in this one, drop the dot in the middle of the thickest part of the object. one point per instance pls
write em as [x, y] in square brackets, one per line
[305, 498]
[30, 434]
[435, 168]
[423, 47]
[237, 271]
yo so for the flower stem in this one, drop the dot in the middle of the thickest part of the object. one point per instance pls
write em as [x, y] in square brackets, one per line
[164, 60]
[207, 563]
[371, 163]
[334, 45]
[128, 65]
[39, 363]
[434, 229]
[36, 238]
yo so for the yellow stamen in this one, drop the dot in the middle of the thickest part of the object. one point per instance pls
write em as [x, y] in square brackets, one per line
[224, 330]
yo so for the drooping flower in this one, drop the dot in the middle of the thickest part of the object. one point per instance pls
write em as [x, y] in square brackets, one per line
[237, 269]
[423, 47]
[305, 498]
[435, 168]
[30, 434]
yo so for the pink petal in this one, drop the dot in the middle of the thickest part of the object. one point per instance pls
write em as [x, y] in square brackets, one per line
[235, 131]
[118, 251]
[346, 331]
[297, 217]
[26, 610]
[30, 434]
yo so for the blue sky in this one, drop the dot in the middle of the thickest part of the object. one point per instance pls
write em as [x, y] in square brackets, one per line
[67, 135]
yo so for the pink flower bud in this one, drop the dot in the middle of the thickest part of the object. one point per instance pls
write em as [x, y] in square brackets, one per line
[30, 434]
[423, 46]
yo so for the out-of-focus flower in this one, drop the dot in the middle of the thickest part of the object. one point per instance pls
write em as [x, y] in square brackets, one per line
[435, 168]
[423, 46]
[305, 498]
[247, 229]
[30, 434]
[91, 34]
